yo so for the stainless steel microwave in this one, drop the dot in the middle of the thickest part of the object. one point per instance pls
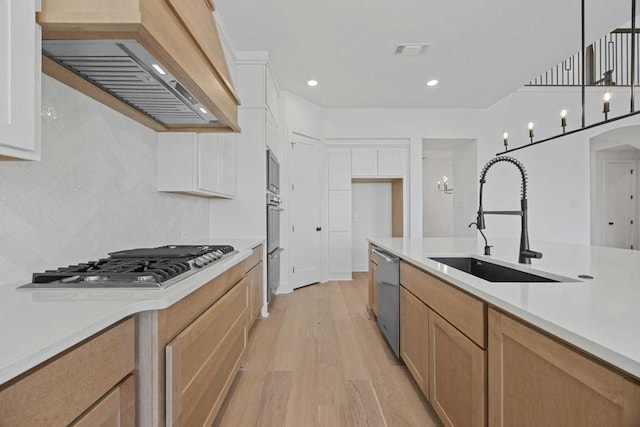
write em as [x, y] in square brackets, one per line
[273, 173]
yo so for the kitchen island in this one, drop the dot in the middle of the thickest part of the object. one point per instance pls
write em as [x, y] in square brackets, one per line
[41, 325]
[523, 350]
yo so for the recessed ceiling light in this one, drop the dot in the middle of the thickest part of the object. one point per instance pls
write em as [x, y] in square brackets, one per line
[159, 69]
[203, 110]
[432, 83]
[312, 83]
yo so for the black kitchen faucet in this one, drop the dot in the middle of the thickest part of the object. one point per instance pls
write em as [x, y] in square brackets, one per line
[525, 254]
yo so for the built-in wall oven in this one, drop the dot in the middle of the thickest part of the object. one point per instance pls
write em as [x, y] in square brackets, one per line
[274, 208]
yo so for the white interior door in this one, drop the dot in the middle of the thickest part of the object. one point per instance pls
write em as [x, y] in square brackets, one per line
[304, 217]
[619, 204]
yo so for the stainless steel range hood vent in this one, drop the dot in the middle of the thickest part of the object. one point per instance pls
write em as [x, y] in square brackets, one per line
[127, 71]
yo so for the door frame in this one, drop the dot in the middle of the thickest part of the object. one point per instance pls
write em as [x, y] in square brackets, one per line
[322, 215]
[603, 228]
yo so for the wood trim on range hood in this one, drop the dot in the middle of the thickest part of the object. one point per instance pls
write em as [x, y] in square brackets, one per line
[175, 32]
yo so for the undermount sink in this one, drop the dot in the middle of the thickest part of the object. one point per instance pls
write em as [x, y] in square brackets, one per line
[491, 272]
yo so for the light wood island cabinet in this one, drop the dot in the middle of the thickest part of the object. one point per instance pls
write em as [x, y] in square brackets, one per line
[414, 338]
[442, 342]
[87, 385]
[534, 380]
[478, 366]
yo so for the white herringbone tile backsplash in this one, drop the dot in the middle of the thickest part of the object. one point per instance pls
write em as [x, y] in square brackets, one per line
[93, 192]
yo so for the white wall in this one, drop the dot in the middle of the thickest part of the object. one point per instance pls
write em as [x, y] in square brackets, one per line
[437, 214]
[465, 196]
[371, 217]
[558, 171]
[94, 191]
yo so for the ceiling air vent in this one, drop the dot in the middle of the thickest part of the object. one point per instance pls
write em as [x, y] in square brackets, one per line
[411, 49]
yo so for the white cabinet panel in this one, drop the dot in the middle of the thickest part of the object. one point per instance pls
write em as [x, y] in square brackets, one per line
[202, 164]
[20, 80]
[339, 168]
[272, 97]
[340, 253]
[227, 164]
[272, 135]
[364, 162]
[340, 210]
[208, 162]
[391, 162]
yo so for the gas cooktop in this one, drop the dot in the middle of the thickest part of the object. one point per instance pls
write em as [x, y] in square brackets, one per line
[147, 268]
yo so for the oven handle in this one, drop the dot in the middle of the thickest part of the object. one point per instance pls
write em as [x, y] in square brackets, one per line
[276, 253]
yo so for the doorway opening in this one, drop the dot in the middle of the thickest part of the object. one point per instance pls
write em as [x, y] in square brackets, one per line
[377, 210]
[614, 188]
[450, 163]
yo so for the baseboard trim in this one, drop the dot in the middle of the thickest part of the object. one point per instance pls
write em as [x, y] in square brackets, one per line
[340, 277]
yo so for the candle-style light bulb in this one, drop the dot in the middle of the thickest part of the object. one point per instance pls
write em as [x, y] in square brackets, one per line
[505, 139]
[563, 114]
[606, 108]
[563, 120]
[530, 126]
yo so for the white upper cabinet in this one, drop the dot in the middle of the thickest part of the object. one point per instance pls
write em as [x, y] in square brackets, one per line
[202, 164]
[339, 168]
[20, 79]
[364, 162]
[392, 162]
[388, 162]
[272, 97]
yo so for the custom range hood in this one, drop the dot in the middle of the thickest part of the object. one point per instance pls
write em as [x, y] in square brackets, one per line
[159, 62]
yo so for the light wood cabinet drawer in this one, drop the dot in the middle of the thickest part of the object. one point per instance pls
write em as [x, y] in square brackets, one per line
[255, 292]
[372, 257]
[253, 259]
[203, 359]
[458, 308]
[116, 409]
[177, 317]
[373, 288]
[60, 390]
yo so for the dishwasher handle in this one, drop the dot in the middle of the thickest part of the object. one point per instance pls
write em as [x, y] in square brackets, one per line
[384, 256]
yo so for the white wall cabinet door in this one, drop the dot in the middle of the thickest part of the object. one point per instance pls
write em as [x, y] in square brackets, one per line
[339, 168]
[20, 80]
[202, 164]
[364, 162]
[391, 162]
[208, 157]
[227, 164]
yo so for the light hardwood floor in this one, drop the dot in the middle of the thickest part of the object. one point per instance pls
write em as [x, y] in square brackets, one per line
[319, 360]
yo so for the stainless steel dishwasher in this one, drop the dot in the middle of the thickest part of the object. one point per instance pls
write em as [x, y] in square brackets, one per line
[388, 281]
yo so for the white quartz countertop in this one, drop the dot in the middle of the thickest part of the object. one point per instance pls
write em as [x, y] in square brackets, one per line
[601, 316]
[38, 324]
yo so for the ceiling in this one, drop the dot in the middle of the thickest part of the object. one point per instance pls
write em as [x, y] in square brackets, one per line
[481, 50]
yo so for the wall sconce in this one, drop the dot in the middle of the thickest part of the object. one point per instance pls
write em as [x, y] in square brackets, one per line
[530, 126]
[505, 139]
[606, 108]
[563, 120]
[444, 187]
